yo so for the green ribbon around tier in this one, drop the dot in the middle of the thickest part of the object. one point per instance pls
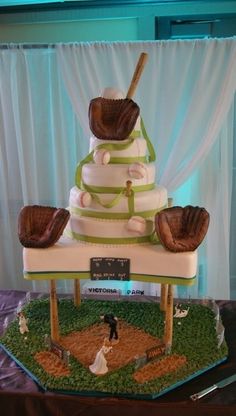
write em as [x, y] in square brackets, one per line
[127, 160]
[110, 240]
[113, 215]
[55, 275]
[115, 190]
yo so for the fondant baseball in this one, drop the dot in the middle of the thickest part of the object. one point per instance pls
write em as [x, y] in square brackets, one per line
[137, 170]
[137, 224]
[112, 93]
[84, 199]
[101, 157]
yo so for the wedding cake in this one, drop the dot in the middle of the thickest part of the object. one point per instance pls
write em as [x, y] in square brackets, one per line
[118, 216]
[113, 207]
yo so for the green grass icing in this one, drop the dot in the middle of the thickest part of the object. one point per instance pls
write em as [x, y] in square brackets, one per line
[193, 336]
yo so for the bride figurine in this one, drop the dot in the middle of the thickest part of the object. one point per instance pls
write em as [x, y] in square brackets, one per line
[100, 363]
[23, 327]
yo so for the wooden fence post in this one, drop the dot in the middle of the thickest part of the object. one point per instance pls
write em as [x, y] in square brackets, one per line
[169, 319]
[77, 292]
[54, 312]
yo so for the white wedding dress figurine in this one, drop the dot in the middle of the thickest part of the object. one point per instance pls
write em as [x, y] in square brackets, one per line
[23, 323]
[100, 363]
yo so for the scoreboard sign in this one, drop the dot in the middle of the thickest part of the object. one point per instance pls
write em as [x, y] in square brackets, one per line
[109, 268]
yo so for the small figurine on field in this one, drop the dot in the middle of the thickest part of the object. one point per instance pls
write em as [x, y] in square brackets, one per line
[23, 323]
[111, 320]
[99, 365]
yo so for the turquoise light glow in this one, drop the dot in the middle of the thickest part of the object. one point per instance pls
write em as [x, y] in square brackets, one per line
[185, 194]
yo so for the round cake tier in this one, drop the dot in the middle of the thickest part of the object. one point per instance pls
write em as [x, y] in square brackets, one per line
[113, 178]
[107, 231]
[136, 149]
[146, 204]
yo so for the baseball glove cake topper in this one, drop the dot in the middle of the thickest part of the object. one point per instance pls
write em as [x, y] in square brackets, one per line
[182, 229]
[111, 119]
[40, 226]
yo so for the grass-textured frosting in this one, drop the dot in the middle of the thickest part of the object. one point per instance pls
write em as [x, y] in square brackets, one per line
[195, 338]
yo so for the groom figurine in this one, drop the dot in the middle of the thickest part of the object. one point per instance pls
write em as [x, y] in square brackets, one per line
[111, 320]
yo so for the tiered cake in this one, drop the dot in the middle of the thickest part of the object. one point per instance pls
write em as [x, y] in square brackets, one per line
[115, 198]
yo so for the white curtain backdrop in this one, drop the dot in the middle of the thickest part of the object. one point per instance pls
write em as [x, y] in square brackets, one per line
[186, 97]
[40, 145]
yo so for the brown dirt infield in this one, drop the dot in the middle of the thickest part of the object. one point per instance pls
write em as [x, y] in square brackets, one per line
[85, 344]
[133, 343]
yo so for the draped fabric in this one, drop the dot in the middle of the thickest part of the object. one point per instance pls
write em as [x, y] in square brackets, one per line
[186, 98]
[39, 147]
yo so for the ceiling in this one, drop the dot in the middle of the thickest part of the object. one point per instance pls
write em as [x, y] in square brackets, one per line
[4, 3]
[10, 7]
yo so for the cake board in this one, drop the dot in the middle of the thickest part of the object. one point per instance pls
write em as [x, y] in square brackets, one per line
[101, 389]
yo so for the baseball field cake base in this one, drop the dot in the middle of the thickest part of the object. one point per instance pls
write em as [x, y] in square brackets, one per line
[138, 365]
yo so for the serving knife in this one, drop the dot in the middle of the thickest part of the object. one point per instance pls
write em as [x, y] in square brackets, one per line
[222, 383]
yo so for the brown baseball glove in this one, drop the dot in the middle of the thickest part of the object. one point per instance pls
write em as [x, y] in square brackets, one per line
[112, 119]
[41, 227]
[182, 229]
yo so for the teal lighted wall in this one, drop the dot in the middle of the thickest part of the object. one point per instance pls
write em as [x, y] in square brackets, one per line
[85, 30]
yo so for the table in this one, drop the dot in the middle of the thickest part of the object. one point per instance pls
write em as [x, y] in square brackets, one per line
[20, 395]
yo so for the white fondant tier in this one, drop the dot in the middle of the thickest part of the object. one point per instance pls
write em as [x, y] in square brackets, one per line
[146, 201]
[138, 148]
[115, 175]
[147, 262]
[108, 231]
